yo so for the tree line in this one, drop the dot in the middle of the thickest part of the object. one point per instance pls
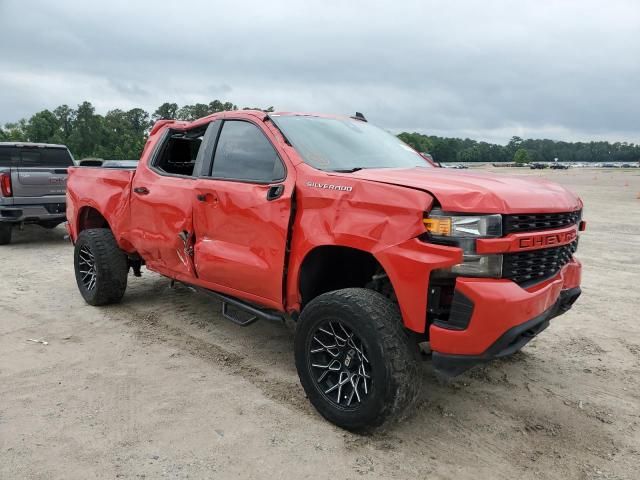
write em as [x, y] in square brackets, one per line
[519, 150]
[121, 134]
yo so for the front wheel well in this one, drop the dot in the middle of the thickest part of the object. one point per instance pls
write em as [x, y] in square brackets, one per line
[330, 268]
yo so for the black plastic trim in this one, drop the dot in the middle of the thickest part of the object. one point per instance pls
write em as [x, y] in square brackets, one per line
[460, 313]
[510, 342]
[258, 312]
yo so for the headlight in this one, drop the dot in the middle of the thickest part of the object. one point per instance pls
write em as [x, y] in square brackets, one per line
[462, 231]
[463, 226]
[479, 266]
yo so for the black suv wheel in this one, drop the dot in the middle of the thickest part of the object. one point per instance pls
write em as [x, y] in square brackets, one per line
[101, 267]
[356, 362]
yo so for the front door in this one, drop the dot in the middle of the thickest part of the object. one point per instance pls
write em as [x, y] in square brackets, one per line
[241, 216]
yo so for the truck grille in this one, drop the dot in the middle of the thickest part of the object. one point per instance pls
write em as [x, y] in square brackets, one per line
[538, 221]
[536, 265]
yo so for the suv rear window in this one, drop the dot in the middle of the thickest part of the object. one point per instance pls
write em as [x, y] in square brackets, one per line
[45, 157]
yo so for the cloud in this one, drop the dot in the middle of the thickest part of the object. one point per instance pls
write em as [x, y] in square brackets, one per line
[488, 70]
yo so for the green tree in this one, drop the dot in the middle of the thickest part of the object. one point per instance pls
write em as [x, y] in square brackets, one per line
[166, 110]
[193, 112]
[266, 110]
[218, 106]
[44, 127]
[521, 156]
[86, 134]
[66, 117]
[16, 132]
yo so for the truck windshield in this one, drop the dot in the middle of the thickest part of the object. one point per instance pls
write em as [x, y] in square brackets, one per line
[344, 144]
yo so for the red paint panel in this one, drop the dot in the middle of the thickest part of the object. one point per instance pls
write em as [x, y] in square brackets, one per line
[498, 306]
[480, 192]
[241, 237]
[158, 218]
[106, 191]
[371, 217]
[409, 266]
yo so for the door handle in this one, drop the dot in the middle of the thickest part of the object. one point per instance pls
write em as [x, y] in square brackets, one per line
[211, 198]
[274, 192]
[141, 190]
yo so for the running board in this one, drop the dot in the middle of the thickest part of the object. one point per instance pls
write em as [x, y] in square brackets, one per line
[255, 312]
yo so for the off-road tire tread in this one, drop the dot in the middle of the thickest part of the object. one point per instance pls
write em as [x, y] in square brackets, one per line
[401, 355]
[111, 266]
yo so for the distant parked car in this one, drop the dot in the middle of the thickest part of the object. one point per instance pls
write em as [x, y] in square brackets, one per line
[559, 166]
[538, 166]
[460, 166]
[90, 162]
[430, 159]
[33, 179]
[120, 164]
[98, 162]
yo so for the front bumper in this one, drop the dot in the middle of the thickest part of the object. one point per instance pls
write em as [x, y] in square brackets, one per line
[503, 317]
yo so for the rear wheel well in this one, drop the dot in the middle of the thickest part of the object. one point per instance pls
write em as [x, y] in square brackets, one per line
[330, 268]
[89, 217]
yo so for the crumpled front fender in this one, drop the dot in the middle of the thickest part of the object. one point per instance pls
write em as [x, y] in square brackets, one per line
[408, 266]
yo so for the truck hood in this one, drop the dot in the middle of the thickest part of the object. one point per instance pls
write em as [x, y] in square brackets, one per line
[479, 192]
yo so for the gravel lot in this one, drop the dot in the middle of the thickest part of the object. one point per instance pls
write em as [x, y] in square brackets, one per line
[162, 387]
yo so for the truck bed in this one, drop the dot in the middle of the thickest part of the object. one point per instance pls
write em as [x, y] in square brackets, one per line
[104, 190]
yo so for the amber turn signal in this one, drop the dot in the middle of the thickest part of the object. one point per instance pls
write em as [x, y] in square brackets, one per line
[438, 226]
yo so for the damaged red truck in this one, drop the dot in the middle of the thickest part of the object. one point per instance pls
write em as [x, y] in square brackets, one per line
[380, 257]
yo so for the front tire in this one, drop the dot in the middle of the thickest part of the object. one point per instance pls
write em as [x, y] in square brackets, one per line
[5, 233]
[101, 267]
[356, 363]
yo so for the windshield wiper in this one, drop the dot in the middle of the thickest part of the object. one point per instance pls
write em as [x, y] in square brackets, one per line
[348, 170]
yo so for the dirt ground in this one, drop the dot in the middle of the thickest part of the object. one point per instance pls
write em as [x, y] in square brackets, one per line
[162, 387]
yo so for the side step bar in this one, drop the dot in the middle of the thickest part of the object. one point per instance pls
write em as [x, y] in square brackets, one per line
[255, 312]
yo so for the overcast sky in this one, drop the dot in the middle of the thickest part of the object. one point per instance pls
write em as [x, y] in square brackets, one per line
[488, 70]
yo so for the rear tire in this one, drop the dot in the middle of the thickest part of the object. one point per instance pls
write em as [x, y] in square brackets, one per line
[5, 233]
[358, 335]
[101, 267]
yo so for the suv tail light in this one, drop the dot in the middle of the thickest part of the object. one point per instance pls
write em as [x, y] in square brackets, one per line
[5, 184]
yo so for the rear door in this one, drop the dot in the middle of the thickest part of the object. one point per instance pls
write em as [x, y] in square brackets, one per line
[162, 204]
[40, 171]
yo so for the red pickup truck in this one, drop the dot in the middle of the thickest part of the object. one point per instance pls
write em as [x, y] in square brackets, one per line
[380, 257]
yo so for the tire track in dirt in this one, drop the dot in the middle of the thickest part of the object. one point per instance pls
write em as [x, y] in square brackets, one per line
[151, 327]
